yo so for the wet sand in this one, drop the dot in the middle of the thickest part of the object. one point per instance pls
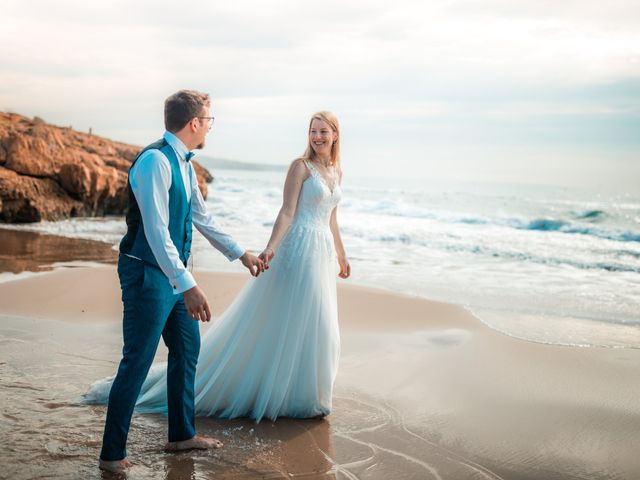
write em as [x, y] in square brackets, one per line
[424, 390]
[22, 251]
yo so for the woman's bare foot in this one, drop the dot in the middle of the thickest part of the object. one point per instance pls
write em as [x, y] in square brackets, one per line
[196, 443]
[115, 466]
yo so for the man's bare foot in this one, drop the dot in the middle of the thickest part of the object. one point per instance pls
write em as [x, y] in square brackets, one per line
[196, 443]
[115, 466]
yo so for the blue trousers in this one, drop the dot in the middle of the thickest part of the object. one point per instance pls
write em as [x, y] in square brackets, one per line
[151, 310]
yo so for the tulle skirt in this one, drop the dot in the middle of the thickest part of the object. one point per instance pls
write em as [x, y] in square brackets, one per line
[274, 352]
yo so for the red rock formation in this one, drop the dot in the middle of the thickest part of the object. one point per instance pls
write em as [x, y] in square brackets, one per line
[31, 199]
[51, 173]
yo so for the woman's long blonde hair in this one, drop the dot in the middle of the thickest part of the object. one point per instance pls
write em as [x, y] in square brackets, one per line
[329, 118]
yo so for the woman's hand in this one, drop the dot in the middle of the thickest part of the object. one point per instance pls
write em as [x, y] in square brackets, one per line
[345, 268]
[266, 256]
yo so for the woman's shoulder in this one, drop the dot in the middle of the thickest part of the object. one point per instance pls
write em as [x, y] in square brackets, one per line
[299, 167]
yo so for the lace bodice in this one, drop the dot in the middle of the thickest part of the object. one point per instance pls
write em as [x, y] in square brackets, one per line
[317, 200]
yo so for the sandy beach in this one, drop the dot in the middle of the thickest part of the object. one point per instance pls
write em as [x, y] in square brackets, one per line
[424, 390]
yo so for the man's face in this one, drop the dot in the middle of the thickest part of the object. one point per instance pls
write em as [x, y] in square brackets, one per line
[204, 125]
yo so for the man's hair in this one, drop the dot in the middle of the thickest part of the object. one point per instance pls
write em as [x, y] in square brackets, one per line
[181, 107]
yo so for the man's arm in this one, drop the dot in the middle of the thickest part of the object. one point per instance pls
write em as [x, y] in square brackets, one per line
[206, 224]
[150, 180]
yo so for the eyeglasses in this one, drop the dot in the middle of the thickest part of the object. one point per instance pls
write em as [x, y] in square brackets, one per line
[211, 119]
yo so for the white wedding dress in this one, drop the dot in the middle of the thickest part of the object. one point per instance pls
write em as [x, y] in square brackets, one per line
[274, 352]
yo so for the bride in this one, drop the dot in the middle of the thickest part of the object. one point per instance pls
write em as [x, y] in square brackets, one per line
[274, 352]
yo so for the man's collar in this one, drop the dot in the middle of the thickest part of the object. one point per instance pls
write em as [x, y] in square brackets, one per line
[178, 146]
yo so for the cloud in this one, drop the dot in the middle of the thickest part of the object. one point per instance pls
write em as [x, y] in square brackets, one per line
[404, 76]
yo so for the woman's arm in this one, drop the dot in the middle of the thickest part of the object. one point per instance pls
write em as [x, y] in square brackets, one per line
[345, 268]
[296, 175]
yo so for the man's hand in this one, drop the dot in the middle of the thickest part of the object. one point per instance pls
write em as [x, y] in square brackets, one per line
[197, 305]
[253, 264]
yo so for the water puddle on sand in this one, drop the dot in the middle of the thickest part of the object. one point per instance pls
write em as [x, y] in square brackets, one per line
[23, 251]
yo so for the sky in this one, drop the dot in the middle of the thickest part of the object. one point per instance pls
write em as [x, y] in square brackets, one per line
[532, 91]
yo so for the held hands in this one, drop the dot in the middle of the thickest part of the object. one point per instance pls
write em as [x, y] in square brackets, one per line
[197, 305]
[266, 256]
[196, 301]
[345, 268]
[254, 264]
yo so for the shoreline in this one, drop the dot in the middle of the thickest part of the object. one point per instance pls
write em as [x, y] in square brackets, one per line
[423, 386]
[26, 250]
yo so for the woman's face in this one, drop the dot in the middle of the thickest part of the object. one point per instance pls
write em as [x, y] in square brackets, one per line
[321, 137]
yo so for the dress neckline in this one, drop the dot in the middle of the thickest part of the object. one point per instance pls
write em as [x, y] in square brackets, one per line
[315, 172]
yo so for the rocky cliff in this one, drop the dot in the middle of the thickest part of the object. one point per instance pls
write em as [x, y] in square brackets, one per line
[52, 173]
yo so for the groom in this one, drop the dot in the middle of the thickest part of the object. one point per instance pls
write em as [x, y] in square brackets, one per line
[159, 294]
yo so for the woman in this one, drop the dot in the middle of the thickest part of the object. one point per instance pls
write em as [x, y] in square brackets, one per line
[275, 351]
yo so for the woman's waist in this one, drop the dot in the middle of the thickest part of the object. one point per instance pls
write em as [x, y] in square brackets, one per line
[311, 223]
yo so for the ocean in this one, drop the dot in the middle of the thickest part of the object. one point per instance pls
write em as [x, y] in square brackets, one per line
[558, 265]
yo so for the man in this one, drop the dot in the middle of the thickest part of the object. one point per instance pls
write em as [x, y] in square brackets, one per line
[160, 296]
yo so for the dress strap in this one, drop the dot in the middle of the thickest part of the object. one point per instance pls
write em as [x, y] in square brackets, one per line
[312, 169]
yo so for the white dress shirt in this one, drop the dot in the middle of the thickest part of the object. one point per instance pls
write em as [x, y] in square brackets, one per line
[150, 180]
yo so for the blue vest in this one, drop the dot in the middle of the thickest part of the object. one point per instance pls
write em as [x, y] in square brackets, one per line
[134, 242]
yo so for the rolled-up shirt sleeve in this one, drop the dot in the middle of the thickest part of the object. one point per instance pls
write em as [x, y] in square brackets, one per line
[150, 180]
[206, 224]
